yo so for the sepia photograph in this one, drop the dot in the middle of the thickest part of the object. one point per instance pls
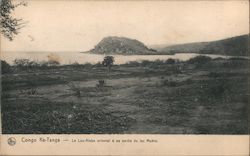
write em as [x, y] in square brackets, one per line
[124, 67]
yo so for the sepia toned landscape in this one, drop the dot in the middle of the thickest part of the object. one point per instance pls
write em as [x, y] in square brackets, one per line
[198, 96]
[119, 83]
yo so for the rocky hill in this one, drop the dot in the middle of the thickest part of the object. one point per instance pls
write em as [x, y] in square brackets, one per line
[121, 45]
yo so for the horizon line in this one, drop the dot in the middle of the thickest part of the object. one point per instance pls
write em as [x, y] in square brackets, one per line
[148, 45]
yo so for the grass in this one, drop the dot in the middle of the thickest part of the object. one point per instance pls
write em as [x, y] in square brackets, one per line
[149, 97]
[45, 117]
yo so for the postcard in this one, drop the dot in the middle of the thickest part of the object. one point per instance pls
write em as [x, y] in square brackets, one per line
[106, 77]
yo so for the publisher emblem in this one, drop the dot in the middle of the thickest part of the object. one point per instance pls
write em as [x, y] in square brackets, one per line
[11, 141]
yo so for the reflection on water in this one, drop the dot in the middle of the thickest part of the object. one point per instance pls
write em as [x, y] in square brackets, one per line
[82, 58]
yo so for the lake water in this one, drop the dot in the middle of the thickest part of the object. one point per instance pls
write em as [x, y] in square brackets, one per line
[82, 58]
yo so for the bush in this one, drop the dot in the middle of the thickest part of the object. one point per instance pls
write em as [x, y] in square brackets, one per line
[175, 69]
[169, 83]
[87, 65]
[75, 65]
[200, 60]
[219, 59]
[173, 83]
[239, 58]
[53, 63]
[145, 63]
[101, 83]
[27, 64]
[5, 67]
[219, 87]
[152, 50]
[73, 87]
[32, 91]
[171, 61]
[232, 63]
[31, 88]
[47, 64]
[21, 63]
[98, 64]
[132, 63]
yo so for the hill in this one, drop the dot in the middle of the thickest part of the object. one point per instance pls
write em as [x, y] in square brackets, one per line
[121, 45]
[182, 48]
[235, 46]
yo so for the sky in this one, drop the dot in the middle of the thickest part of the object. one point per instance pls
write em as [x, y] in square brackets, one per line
[60, 26]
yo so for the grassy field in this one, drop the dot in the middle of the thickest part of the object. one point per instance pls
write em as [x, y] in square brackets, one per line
[193, 97]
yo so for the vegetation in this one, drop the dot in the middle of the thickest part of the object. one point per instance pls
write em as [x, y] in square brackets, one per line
[234, 46]
[108, 61]
[101, 83]
[5, 67]
[171, 61]
[9, 25]
[121, 45]
[142, 97]
[26, 64]
[200, 60]
[75, 88]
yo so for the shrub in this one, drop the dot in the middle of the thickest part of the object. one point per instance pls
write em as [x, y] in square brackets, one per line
[31, 88]
[5, 67]
[158, 61]
[175, 69]
[219, 87]
[169, 83]
[232, 63]
[53, 63]
[132, 63]
[98, 64]
[73, 87]
[25, 63]
[238, 58]
[87, 65]
[145, 63]
[75, 65]
[28, 64]
[33, 64]
[171, 61]
[101, 83]
[214, 74]
[43, 64]
[152, 50]
[32, 91]
[21, 62]
[174, 83]
[200, 59]
[219, 59]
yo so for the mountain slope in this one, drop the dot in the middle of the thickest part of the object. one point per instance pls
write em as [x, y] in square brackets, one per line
[184, 48]
[121, 45]
[235, 46]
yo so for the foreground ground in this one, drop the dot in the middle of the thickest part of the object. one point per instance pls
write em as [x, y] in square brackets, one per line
[147, 98]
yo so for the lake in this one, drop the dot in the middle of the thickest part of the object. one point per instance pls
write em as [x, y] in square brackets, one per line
[82, 58]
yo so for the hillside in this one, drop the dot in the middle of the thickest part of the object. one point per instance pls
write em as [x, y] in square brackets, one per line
[121, 45]
[186, 48]
[235, 46]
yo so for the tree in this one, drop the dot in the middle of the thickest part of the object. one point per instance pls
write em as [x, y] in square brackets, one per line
[21, 62]
[9, 25]
[5, 67]
[108, 61]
